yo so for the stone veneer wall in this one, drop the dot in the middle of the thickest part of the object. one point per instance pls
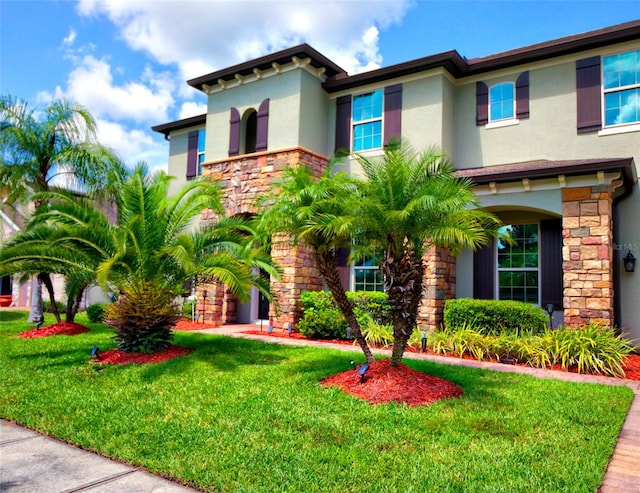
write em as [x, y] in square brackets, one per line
[244, 179]
[439, 285]
[587, 254]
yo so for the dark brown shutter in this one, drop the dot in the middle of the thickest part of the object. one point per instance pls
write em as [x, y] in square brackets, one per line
[342, 258]
[482, 103]
[343, 123]
[484, 272]
[192, 155]
[522, 95]
[551, 262]
[392, 112]
[234, 132]
[262, 126]
[588, 94]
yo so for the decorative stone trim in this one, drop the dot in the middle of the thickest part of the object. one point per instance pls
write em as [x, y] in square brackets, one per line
[587, 255]
[243, 180]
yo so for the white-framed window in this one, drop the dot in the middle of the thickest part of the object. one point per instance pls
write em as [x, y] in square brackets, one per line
[621, 88]
[502, 102]
[200, 158]
[519, 263]
[367, 276]
[366, 120]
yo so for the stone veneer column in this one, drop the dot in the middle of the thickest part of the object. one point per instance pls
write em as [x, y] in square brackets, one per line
[243, 179]
[439, 284]
[587, 254]
[299, 274]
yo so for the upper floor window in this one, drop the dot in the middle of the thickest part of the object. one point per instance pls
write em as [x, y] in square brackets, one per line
[367, 121]
[201, 139]
[621, 83]
[502, 101]
[518, 263]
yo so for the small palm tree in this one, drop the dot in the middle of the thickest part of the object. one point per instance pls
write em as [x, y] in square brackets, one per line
[146, 255]
[314, 210]
[409, 202]
[42, 147]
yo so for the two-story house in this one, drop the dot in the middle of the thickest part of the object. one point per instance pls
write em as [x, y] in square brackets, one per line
[549, 133]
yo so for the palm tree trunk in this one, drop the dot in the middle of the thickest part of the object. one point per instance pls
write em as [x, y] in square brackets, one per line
[328, 267]
[73, 305]
[403, 284]
[36, 314]
[45, 277]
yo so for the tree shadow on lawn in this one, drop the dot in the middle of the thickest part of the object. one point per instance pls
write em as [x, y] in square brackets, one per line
[227, 354]
[12, 316]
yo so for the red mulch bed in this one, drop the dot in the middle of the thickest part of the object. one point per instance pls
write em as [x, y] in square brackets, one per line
[117, 357]
[60, 328]
[384, 383]
[184, 324]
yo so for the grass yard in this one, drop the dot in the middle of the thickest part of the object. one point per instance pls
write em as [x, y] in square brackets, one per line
[243, 416]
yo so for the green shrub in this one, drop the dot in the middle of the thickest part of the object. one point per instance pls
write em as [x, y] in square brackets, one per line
[588, 349]
[376, 334]
[591, 348]
[322, 318]
[95, 312]
[46, 306]
[493, 317]
[187, 309]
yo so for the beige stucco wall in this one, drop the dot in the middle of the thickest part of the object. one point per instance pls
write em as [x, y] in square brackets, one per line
[314, 122]
[284, 92]
[422, 111]
[177, 166]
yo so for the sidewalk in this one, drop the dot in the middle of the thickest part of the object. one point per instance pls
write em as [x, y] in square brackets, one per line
[34, 463]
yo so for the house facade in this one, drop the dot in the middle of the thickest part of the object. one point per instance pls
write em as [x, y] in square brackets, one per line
[549, 133]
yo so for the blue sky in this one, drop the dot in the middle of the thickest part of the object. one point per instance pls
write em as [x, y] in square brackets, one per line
[127, 60]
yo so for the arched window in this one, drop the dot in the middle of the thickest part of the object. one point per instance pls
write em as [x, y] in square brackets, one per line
[250, 128]
[502, 101]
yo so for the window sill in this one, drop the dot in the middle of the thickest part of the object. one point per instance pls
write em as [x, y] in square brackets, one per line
[369, 152]
[502, 123]
[620, 129]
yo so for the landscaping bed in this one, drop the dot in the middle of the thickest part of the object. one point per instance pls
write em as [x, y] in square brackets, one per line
[241, 415]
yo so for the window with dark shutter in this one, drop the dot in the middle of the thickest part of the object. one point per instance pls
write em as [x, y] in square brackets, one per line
[262, 126]
[484, 272]
[392, 112]
[192, 155]
[482, 103]
[588, 94]
[522, 95]
[343, 123]
[234, 132]
[551, 263]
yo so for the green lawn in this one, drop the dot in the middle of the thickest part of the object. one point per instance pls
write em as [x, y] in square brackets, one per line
[239, 415]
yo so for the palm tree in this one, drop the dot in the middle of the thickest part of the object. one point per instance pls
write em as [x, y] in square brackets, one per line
[410, 202]
[146, 255]
[42, 147]
[314, 210]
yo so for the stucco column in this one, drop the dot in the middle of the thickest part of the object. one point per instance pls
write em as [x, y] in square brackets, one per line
[587, 254]
[439, 284]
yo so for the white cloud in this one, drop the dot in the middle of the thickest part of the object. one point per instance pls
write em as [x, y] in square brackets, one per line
[71, 37]
[192, 109]
[204, 36]
[133, 145]
[92, 84]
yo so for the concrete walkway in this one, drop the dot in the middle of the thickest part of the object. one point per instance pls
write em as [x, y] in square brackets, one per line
[34, 463]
